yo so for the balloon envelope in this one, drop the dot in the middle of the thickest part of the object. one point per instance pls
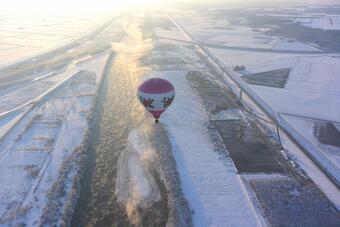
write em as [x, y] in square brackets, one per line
[156, 95]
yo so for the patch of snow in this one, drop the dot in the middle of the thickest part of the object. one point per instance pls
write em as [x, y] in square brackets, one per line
[42, 154]
[299, 102]
[212, 189]
[171, 34]
[7, 121]
[294, 46]
[318, 177]
[229, 114]
[313, 85]
[306, 128]
[249, 59]
[30, 90]
[330, 22]
[25, 35]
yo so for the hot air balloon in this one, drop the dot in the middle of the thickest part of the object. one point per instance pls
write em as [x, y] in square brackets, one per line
[156, 95]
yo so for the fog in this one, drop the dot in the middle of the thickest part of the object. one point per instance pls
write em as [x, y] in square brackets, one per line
[85, 6]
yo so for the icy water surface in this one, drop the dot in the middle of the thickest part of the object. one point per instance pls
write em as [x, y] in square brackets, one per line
[132, 199]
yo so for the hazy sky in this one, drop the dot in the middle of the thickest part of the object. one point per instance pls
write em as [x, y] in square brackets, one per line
[92, 5]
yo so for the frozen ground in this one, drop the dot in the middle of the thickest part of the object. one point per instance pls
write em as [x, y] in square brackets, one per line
[311, 90]
[312, 81]
[259, 161]
[325, 22]
[211, 185]
[41, 155]
[23, 35]
[300, 201]
[22, 93]
[208, 179]
[44, 123]
[219, 31]
[7, 121]
[307, 127]
[312, 87]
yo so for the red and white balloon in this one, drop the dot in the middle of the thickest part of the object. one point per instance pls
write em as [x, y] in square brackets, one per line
[156, 95]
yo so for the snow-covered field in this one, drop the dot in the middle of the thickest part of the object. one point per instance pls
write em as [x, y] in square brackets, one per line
[306, 127]
[313, 81]
[237, 36]
[210, 185]
[23, 35]
[42, 142]
[209, 181]
[319, 20]
[21, 94]
[311, 91]
[312, 88]
[41, 157]
[325, 22]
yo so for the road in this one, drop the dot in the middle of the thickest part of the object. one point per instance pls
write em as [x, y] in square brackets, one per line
[211, 45]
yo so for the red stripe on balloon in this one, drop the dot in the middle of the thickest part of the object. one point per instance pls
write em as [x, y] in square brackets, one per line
[156, 86]
[156, 114]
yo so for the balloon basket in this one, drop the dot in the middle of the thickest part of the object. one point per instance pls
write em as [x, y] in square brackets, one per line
[156, 121]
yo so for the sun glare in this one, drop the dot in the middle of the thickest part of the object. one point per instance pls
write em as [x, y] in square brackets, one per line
[74, 5]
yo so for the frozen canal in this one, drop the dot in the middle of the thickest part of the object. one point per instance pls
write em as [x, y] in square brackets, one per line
[122, 184]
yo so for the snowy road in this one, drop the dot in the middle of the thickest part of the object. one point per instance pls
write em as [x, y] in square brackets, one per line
[205, 44]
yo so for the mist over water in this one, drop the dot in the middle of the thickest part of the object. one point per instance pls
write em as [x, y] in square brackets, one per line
[136, 187]
[121, 113]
